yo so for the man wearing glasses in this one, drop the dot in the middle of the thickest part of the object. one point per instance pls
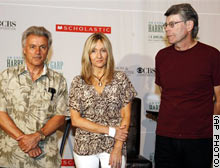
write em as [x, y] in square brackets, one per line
[188, 74]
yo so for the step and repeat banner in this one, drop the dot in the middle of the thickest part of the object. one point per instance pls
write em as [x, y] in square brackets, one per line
[136, 36]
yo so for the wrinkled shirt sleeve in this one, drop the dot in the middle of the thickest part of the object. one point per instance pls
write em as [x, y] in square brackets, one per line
[62, 97]
[74, 95]
[128, 91]
[3, 102]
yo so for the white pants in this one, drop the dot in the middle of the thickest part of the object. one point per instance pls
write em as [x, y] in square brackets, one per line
[92, 161]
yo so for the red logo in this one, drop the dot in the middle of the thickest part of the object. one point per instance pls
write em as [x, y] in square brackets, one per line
[83, 29]
[67, 162]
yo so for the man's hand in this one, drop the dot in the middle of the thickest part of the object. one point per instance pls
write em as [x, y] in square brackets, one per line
[35, 152]
[28, 141]
[121, 133]
[115, 158]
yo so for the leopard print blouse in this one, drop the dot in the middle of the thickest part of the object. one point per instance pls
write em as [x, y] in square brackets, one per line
[103, 109]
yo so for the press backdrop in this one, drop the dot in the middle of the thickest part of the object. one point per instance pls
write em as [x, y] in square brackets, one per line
[134, 28]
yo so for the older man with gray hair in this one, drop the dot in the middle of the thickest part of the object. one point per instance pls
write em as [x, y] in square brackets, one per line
[33, 105]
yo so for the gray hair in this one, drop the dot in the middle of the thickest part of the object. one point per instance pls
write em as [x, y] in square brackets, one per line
[39, 31]
[187, 12]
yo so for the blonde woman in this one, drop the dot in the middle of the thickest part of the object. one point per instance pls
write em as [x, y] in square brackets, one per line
[100, 105]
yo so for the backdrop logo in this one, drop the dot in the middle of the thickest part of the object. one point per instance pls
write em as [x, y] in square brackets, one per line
[125, 69]
[153, 106]
[7, 25]
[56, 65]
[155, 31]
[142, 71]
[14, 61]
[152, 102]
[67, 162]
[83, 29]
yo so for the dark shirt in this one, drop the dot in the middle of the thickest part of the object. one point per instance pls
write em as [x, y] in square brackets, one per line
[187, 79]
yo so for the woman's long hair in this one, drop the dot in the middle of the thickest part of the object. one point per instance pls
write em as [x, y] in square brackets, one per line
[86, 71]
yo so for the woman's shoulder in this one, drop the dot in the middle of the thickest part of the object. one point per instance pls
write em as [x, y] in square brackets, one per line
[120, 75]
[77, 79]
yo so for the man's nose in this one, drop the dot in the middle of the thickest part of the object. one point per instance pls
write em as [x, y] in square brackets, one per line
[37, 50]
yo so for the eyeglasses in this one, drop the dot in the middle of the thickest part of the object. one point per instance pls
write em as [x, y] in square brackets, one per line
[171, 24]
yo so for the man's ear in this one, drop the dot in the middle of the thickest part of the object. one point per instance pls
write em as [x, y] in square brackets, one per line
[190, 25]
[24, 52]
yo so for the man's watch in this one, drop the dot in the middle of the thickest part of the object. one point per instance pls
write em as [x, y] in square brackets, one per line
[42, 136]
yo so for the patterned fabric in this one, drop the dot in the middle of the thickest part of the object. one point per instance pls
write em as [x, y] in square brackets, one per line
[103, 109]
[30, 106]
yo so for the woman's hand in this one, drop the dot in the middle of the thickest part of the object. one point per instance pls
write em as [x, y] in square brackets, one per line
[121, 133]
[115, 158]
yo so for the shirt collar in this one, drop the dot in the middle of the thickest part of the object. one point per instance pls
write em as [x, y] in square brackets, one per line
[23, 69]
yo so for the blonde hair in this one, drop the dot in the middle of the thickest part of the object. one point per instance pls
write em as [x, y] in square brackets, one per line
[86, 71]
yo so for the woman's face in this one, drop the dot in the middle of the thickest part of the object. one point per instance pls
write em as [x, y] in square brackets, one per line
[99, 56]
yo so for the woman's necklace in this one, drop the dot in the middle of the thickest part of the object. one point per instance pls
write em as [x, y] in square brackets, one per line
[99, 79]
